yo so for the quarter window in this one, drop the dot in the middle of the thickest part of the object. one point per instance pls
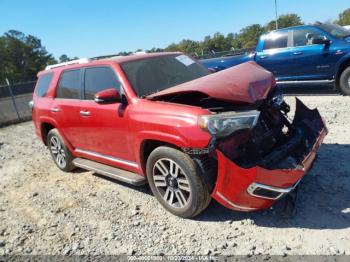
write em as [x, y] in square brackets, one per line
[43, 84]
[98, 79]
[69, 85]
[276, 40]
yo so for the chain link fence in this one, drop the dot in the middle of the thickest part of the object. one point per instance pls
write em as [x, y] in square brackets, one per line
[14, 101]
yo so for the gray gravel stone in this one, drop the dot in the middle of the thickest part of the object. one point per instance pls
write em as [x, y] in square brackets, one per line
[78, 213]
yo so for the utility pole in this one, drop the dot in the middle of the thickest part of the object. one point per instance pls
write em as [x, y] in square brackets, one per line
[276, 14]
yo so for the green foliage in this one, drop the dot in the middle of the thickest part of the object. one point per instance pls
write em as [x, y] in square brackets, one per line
[249, 35]
[245, 39]
[344, 18]
[284, 21]
[64, 58]
[21, 57]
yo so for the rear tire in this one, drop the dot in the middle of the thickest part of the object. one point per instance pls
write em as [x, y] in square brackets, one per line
[59, 151]
[175, 183]
[344, 82]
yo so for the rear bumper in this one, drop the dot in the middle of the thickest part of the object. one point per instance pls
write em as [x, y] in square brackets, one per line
[256, 188]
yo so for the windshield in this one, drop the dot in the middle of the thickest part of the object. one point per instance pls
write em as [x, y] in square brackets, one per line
[154, 74]
[335, 30]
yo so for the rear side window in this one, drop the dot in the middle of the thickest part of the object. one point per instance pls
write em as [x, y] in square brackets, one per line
[69, 85]
[43, 84]
[98, 79]
[276, 40]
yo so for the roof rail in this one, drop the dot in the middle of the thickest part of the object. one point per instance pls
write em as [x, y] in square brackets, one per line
[103, 57]
[72, 62]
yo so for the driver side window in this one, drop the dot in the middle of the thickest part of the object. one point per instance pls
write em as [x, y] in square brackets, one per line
[302, 37]
[98, 79]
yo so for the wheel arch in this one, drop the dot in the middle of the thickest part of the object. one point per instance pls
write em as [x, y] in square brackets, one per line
[206, 166]
[47, 124]
[147, 146]
[45, 128]
[345, 63]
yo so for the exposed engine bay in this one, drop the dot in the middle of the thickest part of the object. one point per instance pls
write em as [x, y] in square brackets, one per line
[276, 142]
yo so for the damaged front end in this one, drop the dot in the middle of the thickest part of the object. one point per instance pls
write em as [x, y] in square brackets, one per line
[259, 165]
[258, 153]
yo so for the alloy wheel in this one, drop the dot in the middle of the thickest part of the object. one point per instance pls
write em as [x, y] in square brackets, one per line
[58, 152]
[171, 182]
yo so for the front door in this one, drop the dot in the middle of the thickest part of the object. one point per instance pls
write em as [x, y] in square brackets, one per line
[310, 61]
[105, 125]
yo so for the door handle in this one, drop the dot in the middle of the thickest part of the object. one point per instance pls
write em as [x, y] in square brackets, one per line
[85, 113]
[264, 56]
[297, 53]
[339, 52]
[55, 109]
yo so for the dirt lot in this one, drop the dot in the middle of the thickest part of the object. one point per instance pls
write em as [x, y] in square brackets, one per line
[46, 211]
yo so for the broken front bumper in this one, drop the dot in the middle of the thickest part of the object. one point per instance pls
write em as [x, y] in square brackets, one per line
[255, 188]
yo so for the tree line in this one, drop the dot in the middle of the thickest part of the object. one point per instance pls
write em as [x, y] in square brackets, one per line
[22, 56]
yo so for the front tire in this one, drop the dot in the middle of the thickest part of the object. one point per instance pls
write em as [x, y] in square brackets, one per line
[344, 82]
[59, 151]
[175, 182]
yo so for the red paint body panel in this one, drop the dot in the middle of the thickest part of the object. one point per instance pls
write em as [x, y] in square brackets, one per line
[245, 83]
[110, 129]
[68, 118]
[106, 130]
[233, 181]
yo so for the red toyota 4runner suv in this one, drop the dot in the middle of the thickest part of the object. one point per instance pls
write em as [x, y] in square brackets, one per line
[165, 120]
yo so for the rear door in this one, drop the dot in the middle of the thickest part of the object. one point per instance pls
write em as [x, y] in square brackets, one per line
[105, 125]
[275, 55]
[65, 107]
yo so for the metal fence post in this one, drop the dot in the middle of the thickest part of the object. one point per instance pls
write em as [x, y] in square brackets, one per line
[13, 99]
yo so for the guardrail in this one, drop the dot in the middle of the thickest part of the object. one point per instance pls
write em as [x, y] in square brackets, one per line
[14, 101]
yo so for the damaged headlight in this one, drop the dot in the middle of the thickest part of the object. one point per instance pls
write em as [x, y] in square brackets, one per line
[224, 124]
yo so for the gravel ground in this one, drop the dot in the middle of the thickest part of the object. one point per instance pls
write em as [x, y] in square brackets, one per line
[46, 211]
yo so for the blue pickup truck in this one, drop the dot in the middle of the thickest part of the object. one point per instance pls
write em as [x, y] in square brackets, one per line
[301, 54]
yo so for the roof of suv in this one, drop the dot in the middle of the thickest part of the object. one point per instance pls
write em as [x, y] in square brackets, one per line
[114, 59]
[133, 57]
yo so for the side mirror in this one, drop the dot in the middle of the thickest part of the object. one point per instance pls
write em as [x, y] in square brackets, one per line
[107, 96]
[321, 41]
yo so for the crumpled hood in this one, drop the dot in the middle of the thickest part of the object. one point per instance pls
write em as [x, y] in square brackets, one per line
[244, 83]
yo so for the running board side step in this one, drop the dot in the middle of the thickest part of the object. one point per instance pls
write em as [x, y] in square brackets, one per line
[109, 171]
[295, 82]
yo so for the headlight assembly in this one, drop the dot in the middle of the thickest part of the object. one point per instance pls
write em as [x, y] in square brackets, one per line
[221, 125]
